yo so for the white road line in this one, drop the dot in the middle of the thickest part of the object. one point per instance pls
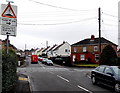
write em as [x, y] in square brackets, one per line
[62, 78]
[30, 84]
[42, 66]
[51, 72]
[88, 76]
[84, 89]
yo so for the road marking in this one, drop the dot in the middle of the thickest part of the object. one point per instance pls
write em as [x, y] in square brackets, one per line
[84, 89]
[51, 72]
[30, 84]
[21, 78]
[88, 76]
[62, 78]
[42, 66]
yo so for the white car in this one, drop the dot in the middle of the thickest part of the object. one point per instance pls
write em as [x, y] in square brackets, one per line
[49, 62]
[44, 61]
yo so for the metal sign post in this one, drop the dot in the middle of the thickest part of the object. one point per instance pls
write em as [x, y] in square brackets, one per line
[7, 45]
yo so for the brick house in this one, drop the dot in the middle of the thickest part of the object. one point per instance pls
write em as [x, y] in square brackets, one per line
[88, 49]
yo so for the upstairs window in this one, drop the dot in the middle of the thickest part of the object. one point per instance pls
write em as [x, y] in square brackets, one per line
[84, 49]
[95, 48]
[75, 49]
[66, 50]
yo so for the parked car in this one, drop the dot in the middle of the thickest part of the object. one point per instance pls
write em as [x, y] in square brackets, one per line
[40, 59]
[44, 60]
[107, 75]
[49, 62]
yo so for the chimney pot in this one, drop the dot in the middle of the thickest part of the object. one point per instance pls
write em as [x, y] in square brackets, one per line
[92, 38]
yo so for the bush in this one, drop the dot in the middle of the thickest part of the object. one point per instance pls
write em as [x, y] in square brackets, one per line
[9, 67]
[108, 56]
[118, 61]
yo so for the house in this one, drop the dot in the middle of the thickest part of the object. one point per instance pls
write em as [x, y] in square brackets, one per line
[39, 52]
[87, 50]
[63, 50]
[44, 51]
[50, 51]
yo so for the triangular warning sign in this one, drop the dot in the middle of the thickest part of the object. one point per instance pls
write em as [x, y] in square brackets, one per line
[8, 12]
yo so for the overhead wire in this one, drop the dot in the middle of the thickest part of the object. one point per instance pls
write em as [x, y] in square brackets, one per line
[110, 15]
[57, 6]
[60, 23]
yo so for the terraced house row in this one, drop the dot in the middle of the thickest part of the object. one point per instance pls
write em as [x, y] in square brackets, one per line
[81, 51]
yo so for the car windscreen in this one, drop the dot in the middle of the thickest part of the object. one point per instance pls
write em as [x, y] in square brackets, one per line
[116, 70]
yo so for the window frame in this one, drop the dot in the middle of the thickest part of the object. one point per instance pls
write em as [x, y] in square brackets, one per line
[75, 50]
[82, 57]
[84, 49]
[95, 48]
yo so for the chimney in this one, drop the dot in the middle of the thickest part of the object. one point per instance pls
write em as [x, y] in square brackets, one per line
[63, 42]
[92, 38]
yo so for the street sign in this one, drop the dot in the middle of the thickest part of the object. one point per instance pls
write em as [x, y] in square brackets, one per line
[8, 30]
[8, 19]
[8, 12]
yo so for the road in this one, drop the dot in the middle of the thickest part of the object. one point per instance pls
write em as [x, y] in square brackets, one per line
[61, 78]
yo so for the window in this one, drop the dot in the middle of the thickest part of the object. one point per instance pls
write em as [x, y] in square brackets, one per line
[97, 68]
[95, 48]
[82, 57]
[75, 49]
[65, 50]
[101, 69]
[108, 70]
[97, 57]
[74, 58]
[84, 49]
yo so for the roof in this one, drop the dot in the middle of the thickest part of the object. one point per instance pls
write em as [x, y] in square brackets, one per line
[96, 41]
[40, 50]
[59, 46]
[46, 49]
[52, 47]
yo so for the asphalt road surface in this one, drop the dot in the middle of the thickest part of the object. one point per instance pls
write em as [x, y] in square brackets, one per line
[61, 79]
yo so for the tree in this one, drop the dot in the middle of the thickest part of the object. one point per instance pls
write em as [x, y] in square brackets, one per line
[108, 56]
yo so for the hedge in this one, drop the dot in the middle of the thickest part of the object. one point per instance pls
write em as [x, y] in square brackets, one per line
[9, 67]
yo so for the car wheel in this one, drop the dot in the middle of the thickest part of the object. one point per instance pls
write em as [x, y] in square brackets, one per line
[94, 80]
[117, 87]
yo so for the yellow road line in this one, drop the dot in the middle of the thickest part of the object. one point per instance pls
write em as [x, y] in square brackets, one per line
[21, 78]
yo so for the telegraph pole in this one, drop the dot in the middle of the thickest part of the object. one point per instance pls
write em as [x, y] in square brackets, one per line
[99, 19]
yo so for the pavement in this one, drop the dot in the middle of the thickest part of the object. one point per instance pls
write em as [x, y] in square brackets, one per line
[23, 84]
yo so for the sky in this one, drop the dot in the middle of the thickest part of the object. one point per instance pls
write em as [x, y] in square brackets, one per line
[56, 21]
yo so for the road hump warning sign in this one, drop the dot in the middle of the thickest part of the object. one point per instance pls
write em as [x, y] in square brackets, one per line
[8, 12]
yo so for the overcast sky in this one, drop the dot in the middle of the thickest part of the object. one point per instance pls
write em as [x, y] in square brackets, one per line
[56, 21]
